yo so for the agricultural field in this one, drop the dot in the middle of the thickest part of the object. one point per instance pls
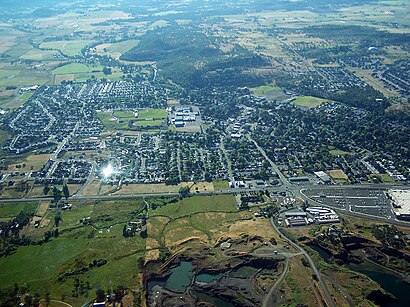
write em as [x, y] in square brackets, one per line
[115, 50]
[69, 48]
[81, 72]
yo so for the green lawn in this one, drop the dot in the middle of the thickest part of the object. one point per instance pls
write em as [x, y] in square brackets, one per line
[4, 136]
[194, 204]
[309, 101]
[147, 123]
[75, 68]
[9, 210]
[147, 118]
[124, 114]
[38, 262]
[264, 89]
[152, 113]
[220, 185]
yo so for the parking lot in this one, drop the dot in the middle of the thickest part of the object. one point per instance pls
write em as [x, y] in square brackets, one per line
[367, 201]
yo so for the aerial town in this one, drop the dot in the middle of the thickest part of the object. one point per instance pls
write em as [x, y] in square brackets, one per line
[204, 153]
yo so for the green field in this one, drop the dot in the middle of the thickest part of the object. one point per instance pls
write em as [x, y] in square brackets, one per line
[78, 244]
[75, 68]
[152, 113]
[124, 114]
[220, 185]
[21, 75]
[195, 204]
[309, 101]
[38, 55]
[70, 48]
[148, 123]
[264, 89]
[125, 120]
[338, 152]
[82, 72]
[9, 210]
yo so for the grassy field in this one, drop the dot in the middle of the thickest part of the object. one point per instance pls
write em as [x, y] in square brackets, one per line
[220, 185]
[21, 75]
[339, 152]
[191, 221]
[125, 120]
[40, 266]
[70, 48]
[264, 89]
[4, 136]
[115, 50]
[31, 163]
[309, 102]
[38, 55]
[9, 210]
[195, 204]
[75, 68]
[81, 72]
[152, 114]
[338, 176]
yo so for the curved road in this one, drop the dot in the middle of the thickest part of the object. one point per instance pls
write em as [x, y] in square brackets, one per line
[329, 299]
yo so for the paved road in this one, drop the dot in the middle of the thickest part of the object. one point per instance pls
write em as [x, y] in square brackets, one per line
[273, 165]
[326, 292]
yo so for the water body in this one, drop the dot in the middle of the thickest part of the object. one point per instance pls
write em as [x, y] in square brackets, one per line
[180, 278]
[178, 281]
[322, 252]
[218, 302]
[389, 281]
[207, 277]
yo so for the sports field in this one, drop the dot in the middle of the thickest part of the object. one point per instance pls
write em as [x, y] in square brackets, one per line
[309, 102]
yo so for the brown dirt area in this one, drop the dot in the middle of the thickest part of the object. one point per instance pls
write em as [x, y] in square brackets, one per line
[337, 174]
[32, 163]
[42, 209]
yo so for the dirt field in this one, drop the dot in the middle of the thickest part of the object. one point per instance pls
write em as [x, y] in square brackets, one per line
[163, 188]
[92, 189]
[42, 209]
[31, 163]
[338, 176]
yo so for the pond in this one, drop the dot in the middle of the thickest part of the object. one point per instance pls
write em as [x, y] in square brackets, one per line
[322, 252]
[179, 279]
[389, 281]
[207, 277]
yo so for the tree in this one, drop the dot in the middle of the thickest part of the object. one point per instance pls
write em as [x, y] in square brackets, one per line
[184, 192]
[100, 296]
[107, 71]
[66, 191]
[57, 219]
[56, 194]
[46, 189]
